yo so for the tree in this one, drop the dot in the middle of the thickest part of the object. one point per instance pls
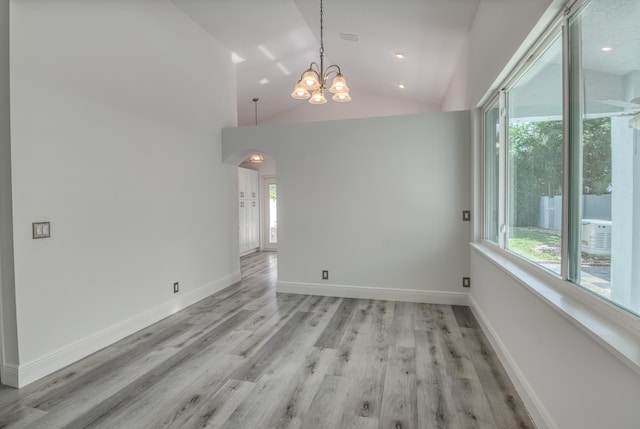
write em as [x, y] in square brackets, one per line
[535, 163]
[596, 156]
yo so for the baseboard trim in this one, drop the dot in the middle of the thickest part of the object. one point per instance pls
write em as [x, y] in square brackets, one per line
[10, 375]
[45, 365]
[534, 405]
[367, 292]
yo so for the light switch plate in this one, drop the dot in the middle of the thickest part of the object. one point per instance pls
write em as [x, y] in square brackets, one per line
[41, 230]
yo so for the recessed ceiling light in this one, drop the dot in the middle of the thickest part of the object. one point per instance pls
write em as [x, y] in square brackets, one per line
[401, 85]
[607, 49]
[264, 81]
[399, 55]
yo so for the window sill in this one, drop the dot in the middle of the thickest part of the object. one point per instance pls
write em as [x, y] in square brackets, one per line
[615, 329]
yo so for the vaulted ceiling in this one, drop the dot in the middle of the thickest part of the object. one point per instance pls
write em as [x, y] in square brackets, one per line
[274, 41]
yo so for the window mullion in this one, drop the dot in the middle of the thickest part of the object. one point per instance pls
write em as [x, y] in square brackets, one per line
[502, 172]
[566, 131]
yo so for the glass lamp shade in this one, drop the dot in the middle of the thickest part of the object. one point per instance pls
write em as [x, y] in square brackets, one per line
[256, 158]
[300, 93]
[310, 80]
[317, 97]
[339, 84]
[341, 97]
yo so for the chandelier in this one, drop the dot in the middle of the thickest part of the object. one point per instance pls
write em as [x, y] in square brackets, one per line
[316, 77]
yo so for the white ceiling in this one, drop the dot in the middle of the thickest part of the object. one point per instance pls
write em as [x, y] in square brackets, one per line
[278, 39]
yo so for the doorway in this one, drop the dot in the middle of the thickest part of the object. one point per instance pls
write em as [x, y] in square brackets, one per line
[270, 211]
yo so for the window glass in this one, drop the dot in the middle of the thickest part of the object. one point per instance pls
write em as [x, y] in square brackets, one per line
[534, 161]
[492, 167]
[605, 164]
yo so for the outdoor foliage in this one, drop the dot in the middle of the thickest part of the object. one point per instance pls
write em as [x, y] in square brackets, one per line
[596, 156]
[535, 163]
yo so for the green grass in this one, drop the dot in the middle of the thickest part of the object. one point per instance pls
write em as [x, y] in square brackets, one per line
[535, 244]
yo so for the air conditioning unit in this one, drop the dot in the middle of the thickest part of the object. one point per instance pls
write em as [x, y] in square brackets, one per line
[596, 237]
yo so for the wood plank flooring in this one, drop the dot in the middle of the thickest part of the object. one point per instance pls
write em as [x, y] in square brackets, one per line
[247, 357]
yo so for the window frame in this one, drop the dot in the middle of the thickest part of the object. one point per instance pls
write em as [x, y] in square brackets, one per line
[552, 33]
[495, 100]
[511, 262]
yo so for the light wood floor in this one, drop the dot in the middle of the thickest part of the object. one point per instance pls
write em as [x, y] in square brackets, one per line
[250, 358]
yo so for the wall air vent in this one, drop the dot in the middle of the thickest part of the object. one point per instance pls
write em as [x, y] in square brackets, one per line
[349, 37]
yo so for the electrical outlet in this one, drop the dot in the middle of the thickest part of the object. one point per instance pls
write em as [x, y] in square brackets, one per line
[466, 215]
[176, 287]
[325, 275]
[466, 282]
[41, 230]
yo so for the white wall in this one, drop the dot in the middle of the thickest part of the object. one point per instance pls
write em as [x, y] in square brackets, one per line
[361, 106]
[9, 361]
[577, 382]
[117, 108]
[378, 202]
[458, 93]
[499, 29]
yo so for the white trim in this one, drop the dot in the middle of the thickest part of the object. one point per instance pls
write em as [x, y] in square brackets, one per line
[532, 402]
[250, 251]
[31, 371]
[10, 375]
[367, 292]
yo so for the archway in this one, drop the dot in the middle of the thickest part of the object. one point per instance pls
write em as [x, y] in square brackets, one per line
[257, 202]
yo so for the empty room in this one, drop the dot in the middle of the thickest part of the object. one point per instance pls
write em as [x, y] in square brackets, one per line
[320, 214]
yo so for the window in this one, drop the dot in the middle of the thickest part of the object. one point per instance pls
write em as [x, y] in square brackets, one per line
[587, 125]
[534, 161]
[604, 241]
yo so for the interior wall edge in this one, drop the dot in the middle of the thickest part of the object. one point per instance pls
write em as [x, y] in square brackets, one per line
[8, 321]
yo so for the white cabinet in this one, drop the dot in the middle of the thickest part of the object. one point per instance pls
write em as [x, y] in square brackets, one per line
[249, 210]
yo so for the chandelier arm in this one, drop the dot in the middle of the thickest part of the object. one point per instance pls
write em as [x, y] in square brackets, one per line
[318, 68]
[333, 68]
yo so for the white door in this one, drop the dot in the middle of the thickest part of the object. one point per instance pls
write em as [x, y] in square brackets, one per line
[270, 210]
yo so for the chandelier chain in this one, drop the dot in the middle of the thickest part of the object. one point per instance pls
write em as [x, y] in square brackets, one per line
[321, 38]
